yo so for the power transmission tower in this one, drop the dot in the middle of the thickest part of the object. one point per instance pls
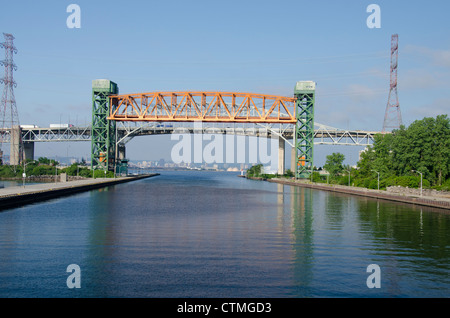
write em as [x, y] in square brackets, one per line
[393, 116]
[10, 129]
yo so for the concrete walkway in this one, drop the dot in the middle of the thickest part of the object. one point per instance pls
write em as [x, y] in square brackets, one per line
[39, 187]
[441, 202]
[19, 195]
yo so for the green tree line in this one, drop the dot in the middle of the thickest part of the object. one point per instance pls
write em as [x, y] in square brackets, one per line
[396, 159]
[257, 171]
[48, 167]
[399, 158]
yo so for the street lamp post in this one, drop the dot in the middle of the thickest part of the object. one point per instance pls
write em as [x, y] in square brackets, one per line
[378, 179]
[24, 174]
[348, 177]
[421, 180]
[56, 170]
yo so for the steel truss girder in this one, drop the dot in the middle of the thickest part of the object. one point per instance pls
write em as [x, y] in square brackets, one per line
[203, 106]
[57, 135]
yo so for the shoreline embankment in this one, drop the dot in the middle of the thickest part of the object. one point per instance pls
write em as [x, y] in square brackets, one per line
[429, 201]
[12, 197]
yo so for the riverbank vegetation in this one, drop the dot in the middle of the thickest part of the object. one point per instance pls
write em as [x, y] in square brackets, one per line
[406, 157]
[44, 167]
[401, 158]
[256, 171]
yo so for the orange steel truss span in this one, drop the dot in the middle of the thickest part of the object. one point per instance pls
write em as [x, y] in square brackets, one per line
[203, 106]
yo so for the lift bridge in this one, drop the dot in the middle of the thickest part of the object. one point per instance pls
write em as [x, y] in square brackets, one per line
[116, 119]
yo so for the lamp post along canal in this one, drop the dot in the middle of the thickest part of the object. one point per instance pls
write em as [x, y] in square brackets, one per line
[421, 181]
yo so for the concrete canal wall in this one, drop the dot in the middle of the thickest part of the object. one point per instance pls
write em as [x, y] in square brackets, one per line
[17, 196]
[429, 201]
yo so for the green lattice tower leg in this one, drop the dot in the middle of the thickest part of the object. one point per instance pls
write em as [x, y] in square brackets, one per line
[103, 130]
[304, 128]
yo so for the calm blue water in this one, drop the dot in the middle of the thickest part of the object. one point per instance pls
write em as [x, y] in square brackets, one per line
[210, 234]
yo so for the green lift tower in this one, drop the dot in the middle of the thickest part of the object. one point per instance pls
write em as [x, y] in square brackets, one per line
[304, 128]
[103, 130]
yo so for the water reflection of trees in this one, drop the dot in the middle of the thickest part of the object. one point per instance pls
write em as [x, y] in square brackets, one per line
[334, 210]
[417, 229]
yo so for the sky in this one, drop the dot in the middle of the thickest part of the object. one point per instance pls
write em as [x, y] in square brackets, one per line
[243, 46]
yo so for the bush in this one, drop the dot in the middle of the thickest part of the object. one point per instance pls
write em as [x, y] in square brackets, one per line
[269, 176]
[343, 180]
[289, 173]
[101, 174]
[317, 177]
[404, 181]
[42, 170]
[255, 171]
[7, 172]
[373, 184]
[85, 173]
[407, 181]
[74, 169]
[444, 187]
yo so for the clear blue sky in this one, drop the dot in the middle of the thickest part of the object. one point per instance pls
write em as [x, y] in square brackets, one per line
[248, 46]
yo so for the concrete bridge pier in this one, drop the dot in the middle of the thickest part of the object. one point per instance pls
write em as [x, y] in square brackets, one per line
[15, 153]
[293, 158]
[28, 150]
[121, 152]
[281, 155]
[121, 163]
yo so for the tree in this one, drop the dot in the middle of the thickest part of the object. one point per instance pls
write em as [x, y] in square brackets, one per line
[441, 144]
[255, 171]
[334, 164]
[423, 146]
[72, 169]
[289, 173]
[46, 161]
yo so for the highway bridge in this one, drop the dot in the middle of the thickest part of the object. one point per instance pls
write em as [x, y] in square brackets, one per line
[116, 119]
[323, 135]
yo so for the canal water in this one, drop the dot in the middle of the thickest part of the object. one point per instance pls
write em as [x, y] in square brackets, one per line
[213, 234]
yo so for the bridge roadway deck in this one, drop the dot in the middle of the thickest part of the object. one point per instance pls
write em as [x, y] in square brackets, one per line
[325, 136]
[11, 197]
